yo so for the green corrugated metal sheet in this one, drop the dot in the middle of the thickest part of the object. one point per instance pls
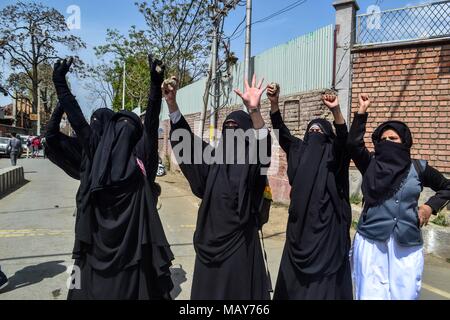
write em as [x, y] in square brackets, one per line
[302, 64]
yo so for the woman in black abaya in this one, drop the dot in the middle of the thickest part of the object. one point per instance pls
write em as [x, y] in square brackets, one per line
[229, 262]
[125, 254]
[315, 263]
[67, 153]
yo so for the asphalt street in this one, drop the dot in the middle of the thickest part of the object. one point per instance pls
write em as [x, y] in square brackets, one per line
[36, 236]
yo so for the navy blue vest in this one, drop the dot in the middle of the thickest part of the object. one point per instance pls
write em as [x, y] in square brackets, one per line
[398, 215]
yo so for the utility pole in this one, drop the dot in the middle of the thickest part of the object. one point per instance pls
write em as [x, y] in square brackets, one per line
[215, 74]
[124, 84]
[248, 42]
[15, 109]
[38, 133]
[218, 13]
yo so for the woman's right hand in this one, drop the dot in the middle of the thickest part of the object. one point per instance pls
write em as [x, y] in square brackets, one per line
[169, 90]
[364, 103]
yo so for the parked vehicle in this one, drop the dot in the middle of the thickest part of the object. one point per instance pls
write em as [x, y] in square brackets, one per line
[161, 169]
[4, 150]
[4, 142]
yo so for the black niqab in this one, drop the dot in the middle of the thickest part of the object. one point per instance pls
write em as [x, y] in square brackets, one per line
[389, 166]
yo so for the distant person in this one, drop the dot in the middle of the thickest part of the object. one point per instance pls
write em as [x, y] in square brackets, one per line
[35, 144]
[14, 146]
[29, 147]
[42, 146]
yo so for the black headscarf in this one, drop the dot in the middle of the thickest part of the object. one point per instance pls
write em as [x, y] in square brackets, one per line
[114, 164]
[121, 219]
[390, 165]
[319, 214]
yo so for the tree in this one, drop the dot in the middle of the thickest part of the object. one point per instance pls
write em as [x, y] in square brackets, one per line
[183, 43]
[180, 32]
[103, 85]
[132, 50]
[30, 33]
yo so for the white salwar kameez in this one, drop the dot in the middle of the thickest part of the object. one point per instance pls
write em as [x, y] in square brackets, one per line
[385, 270]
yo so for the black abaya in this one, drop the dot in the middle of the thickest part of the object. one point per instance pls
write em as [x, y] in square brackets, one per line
[315, 261]
[62, 150]
[229, 262]
[125, 254]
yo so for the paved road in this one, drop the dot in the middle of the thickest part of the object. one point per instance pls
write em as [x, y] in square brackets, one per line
[36, 236]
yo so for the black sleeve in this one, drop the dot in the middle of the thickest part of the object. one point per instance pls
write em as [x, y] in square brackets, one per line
[77, 121]
[340, 143]
[285, 137]
[149, 144]
[355, 143]
[62, 150]
[55, 120]
[195, 173]
[341, 151]
[432, 178]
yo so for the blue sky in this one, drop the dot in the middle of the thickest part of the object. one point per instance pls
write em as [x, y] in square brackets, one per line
[99, 15]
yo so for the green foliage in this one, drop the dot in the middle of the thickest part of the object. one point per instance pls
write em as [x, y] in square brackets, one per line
[441, 219]
[355, 198]
[185, 56]
[31, 34]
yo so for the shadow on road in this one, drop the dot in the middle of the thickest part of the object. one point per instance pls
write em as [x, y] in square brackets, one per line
[13, 189]
[34, 274]
[178, 277]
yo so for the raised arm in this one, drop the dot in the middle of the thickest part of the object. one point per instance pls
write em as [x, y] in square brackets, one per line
[70, 104]
[286, 139]
[340, 143]
[148, 146]
[358, 151]
[62, 150]
[187, 147]
[252, 101]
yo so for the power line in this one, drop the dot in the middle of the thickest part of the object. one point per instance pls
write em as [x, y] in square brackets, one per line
[179, 29]
[189, 30]
[269, 17]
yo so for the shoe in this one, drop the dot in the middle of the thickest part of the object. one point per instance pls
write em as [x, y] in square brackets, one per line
[3, 281]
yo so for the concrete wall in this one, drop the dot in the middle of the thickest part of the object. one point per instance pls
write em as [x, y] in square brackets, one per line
[10, 178]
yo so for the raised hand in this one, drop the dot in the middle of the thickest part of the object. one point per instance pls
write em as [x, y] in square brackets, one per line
[273, 92]
[169, 89]
[157, 70]
[252, 95]
[364, 102]
[61, 68]
[331, 101]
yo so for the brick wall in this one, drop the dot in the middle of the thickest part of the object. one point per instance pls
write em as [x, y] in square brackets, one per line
[297, 111]
[410, 83]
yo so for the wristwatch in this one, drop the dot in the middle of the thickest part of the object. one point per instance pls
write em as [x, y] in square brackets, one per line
[250, 111]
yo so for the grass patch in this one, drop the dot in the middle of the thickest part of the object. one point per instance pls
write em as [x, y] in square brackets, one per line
[355, 198]
[441, 220]
[355, 224]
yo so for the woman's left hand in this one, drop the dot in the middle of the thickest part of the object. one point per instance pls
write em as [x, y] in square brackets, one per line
[425, 212]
